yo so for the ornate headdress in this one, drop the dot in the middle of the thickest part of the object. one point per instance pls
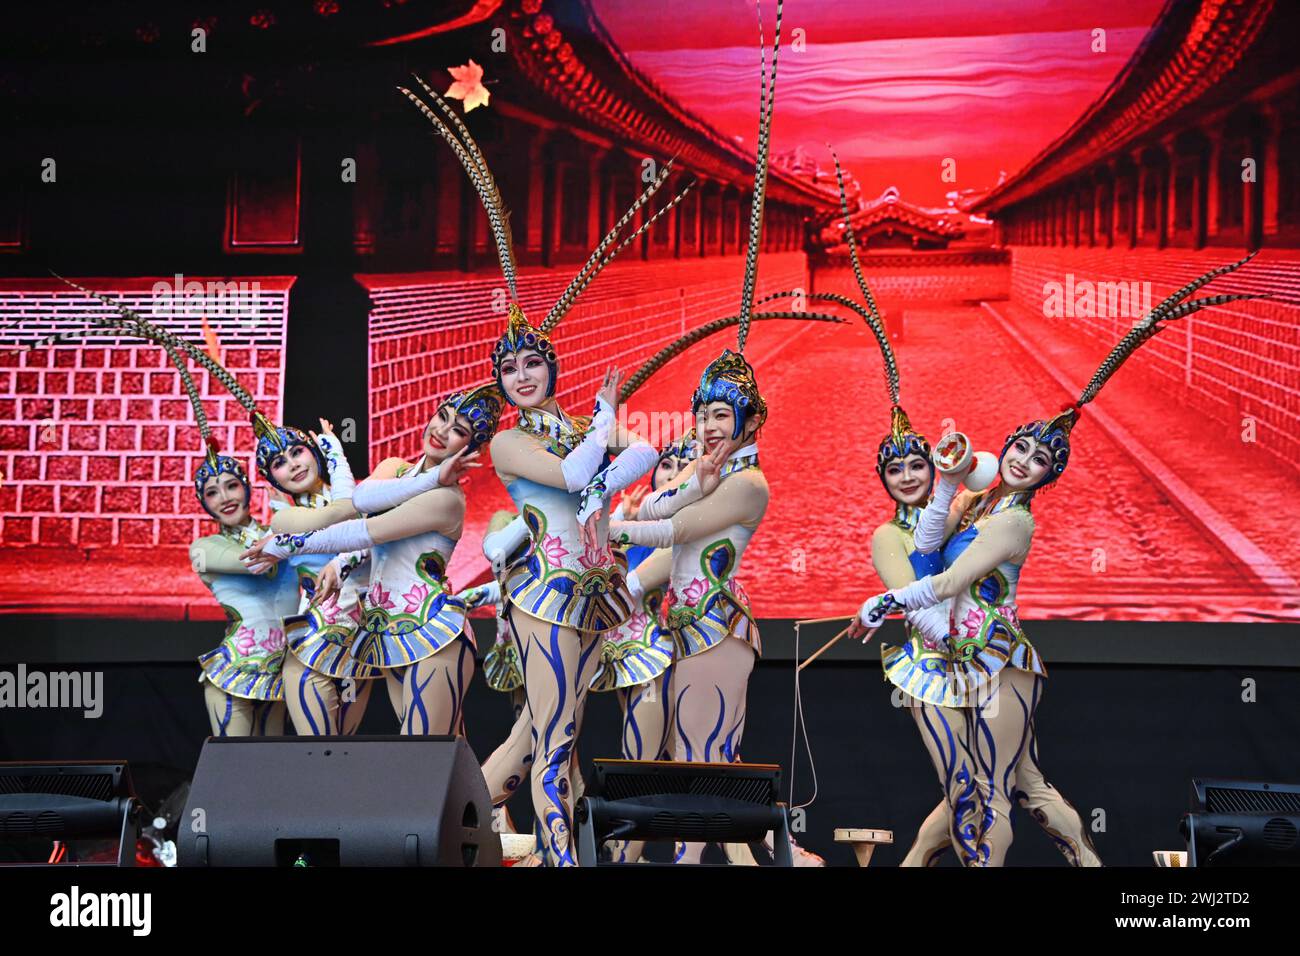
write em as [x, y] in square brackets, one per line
[482, 405]
[1054, 432]
[214, 463]
[519, 333]
[686, 447]
[729, 378]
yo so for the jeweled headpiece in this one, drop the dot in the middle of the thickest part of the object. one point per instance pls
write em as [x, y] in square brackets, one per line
[519, 332]
[519, 335]
[686, 448]
[273, 441]
[729, 378]
[902, 440]
[1054, 433]
[482, 405]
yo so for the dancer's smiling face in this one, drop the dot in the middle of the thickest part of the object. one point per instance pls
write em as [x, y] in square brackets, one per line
[296, 470]
[224, 497]
[524, 376]
[714, 424]
[446, 434]
[908, 479]
[1025, 464]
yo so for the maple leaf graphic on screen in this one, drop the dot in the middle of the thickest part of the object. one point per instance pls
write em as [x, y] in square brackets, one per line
[210, 339]
[469, 86]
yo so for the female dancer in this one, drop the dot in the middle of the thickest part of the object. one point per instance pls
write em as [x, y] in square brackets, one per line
[708, 521]
[905, 468]
[416, 510]
[243, 686]
[570, 589]
[242, 683]
[326, 689]
[635, 659]
[985, 719]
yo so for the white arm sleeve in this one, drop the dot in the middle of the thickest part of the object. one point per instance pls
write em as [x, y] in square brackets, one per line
[934, 517]
[653, 534]
[337, 538]
[632, 462]
[499, 545]
[340, 472]
[668, 501]
[580, 464]
[381, 494]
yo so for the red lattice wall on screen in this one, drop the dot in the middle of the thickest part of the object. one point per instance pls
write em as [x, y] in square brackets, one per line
[97, 438]
[430, 334]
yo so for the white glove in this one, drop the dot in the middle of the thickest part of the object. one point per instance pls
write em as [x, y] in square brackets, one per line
[380, 494]
[340, 472]
[337, 538]
[580, 464]
[652, 534]
[875, 609]
[668, 501]
[634, 586]
[632, 462]
[489, 593]
[349, 562]
[932, 623]
[928, 535]
[499, 545]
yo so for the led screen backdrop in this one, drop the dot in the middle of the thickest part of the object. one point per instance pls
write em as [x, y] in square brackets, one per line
[1015, 217]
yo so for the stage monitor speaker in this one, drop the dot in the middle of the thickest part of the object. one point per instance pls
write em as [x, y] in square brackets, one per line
[1214, 795]
[45, 802]
[670, 800]
[1242, 839]
[338, 801]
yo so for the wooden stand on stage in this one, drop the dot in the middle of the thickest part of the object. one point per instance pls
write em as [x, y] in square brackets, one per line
[863, 841]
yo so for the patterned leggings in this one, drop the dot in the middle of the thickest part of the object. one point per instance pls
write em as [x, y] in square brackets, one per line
[428, 695]
[558, 664]
[232, 716]
[708, 691]
[320, 705]
[647, 728]
[507, 766]
[987, 758]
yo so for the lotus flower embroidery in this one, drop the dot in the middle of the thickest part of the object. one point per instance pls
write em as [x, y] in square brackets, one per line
[245, 641]
[415, 597]
[694, 591]
[274, 641]
[638, 621]
[972, 622]
[380, 598]
[553, 549]
[597, 557]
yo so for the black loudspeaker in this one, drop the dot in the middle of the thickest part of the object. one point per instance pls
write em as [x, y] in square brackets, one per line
[338, 801]
[1242, 823]
[68, 801]
[671, 800]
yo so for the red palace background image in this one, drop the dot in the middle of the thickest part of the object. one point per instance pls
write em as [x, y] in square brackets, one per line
[1025, 182]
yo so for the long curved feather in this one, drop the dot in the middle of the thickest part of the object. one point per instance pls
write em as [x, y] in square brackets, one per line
[676, 347]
